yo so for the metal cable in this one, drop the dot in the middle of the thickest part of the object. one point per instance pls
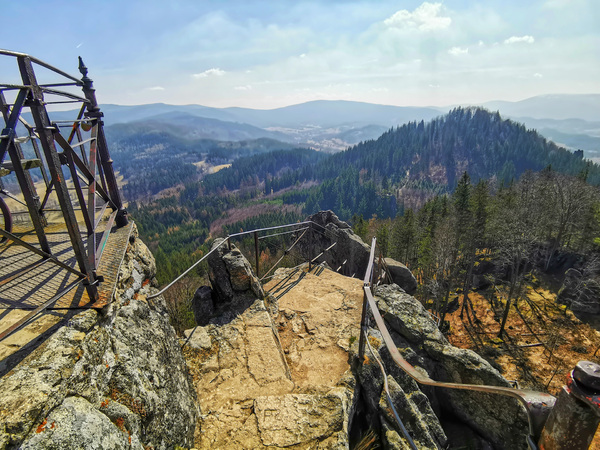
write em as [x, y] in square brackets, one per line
[285, 253]
[389, 398]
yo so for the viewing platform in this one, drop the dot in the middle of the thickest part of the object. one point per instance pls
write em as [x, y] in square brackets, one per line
[28, 281]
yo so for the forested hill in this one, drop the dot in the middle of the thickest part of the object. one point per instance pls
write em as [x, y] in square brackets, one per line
[262, 183]
[474, 140]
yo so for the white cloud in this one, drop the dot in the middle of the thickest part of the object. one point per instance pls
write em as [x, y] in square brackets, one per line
[518, 39]
[537, 75]
[426, 17]
[458, 51]
[246, 87]
[215, 71]
[156, 88]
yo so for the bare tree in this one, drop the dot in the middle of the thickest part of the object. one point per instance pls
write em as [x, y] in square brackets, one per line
[512, 231]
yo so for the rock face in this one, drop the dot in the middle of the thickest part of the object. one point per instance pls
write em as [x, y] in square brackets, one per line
[350, 254]
[109, 379]
[278, 377]
[401, 275]
[500, 420]
[203, 305]
[271, 367]
[580, 293]
[234, 285]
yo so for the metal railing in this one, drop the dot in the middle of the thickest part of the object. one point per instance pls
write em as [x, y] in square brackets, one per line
[537, 404]
[82, 149]
[303, 227]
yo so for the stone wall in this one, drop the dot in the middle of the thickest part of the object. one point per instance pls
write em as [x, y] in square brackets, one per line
[114, 378]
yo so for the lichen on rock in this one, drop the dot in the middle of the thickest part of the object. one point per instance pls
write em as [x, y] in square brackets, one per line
[502, 421]
[109, 379]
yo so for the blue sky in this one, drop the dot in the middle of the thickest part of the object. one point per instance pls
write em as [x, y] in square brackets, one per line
[266, 54]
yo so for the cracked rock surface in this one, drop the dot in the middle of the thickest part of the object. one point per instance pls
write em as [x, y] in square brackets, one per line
[109, 379]
[279, 377]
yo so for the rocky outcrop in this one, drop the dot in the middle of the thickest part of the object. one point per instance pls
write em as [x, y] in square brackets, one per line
[500, 420]
[234, 285]
[350, 254]
[203, 305]
[278, 377]
[580, 292]
[401, 275]
[114, 378]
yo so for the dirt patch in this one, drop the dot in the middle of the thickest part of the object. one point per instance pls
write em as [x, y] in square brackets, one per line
[543, 340]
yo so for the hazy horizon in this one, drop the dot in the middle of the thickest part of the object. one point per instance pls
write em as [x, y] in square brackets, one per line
[359, 101]
[265, 55]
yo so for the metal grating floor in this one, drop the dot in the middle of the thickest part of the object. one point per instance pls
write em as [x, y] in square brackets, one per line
[27, 281]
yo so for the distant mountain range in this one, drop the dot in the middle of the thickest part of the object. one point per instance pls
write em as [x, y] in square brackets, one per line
[569, 120]
[555, 106]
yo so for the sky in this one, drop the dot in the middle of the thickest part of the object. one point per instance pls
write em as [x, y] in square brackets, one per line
[268, 54]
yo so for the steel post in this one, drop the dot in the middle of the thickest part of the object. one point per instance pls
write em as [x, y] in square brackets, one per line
[32, 200]
[310, 241]
[93, 112]
[256, 252]
[363, 330]
[576, 415]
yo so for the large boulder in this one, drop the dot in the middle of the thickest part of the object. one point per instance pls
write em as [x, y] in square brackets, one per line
[401, 275]
[231, 274]
[203, 305]
[350, 255]
[234, 284]
[500, 420]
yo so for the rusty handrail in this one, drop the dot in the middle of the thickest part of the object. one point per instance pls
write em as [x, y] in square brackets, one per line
[537, 404]
[39, 62]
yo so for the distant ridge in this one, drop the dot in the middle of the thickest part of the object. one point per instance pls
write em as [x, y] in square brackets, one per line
[552, 106]
[322, 113]
[570, 120]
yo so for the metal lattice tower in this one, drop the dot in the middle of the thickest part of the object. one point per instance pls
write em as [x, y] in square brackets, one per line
[74, 148]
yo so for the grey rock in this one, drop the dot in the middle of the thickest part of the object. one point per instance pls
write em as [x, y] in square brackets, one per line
[77, 424]
[498, 419]
[202, 305]
[417, 424]
[392, 440]
[406, 315]
[401, 275]
[350, 252]
[198, 338]
[104, 378]
[84, 321]
[231, 274]
[218, 274]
